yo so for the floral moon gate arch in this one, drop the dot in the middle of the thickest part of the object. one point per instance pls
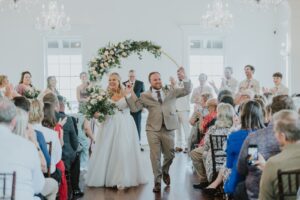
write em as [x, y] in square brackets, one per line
[109, 57]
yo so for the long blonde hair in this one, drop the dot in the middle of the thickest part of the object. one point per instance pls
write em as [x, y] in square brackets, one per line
[21, 123]
[120, 89]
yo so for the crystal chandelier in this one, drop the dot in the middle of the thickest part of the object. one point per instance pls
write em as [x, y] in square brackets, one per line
[53, 18]
[217, 16]
[264, 4]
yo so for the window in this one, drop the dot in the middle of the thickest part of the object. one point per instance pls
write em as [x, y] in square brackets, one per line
[64, 61]
[206, 56]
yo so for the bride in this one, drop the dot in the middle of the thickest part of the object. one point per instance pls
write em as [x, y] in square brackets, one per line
[116, 160]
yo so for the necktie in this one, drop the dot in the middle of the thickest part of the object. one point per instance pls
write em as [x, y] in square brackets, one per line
[159, 97]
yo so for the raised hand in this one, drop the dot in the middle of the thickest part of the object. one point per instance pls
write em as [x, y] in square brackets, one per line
[128, 89]
[172, 81]
[63, 121]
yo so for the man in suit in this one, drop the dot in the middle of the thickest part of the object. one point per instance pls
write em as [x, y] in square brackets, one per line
[161, 123]
[138, 88]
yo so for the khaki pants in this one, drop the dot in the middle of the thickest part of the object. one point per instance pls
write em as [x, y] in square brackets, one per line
[161, 142]
[197, 158]
[50, 189]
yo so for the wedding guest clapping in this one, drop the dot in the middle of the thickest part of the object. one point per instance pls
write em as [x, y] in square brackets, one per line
[279, 88]
[7, 89]
[228, 82]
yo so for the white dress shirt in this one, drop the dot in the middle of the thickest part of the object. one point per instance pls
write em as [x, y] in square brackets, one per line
[155, 95]
[182, 103]
[20, 155]
[51, 136]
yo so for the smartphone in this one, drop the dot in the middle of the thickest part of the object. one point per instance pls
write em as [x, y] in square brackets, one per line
[252, 154]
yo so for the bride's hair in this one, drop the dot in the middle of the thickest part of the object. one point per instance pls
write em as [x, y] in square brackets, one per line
[120, 89]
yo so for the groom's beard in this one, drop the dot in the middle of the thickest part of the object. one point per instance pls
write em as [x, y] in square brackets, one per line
[157, 87]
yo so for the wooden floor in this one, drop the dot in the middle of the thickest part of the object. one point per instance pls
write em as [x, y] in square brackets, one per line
[182, 179]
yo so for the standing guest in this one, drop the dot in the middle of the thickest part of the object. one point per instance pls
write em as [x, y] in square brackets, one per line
[287, 133]
[138, 88]
[251, 120]
[202, 88]
[183, 112]
[25, 83]
[81, 92]
[279, 88]
[267, 146]
[24, 160]
[7, 89]
[51, 85]
[228, 82]
[249, 83]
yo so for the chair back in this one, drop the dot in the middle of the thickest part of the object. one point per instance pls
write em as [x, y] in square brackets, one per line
[49, 145]
[8, 192]
[288, 183]
[216, 144]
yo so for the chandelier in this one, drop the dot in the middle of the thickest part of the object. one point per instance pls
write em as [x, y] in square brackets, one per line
[217, 16]
[53, 18]
[264, 4]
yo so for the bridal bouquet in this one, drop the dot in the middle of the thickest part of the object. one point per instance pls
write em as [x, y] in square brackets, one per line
[98, 104]
[32, 93]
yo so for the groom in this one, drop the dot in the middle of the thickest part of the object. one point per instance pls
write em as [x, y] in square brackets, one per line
[161, 123]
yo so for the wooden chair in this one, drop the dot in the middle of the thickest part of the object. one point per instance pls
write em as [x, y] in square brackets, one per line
[216, 144]
[49, 144]
[288, 183]
[3, 178]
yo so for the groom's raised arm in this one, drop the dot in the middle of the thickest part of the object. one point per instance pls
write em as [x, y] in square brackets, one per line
[186, 90]
[134, 103]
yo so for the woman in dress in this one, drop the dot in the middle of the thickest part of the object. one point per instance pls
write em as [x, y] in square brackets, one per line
[6, 88]
[25, 83]
[116, 159]
[81, 92]
[51, 85]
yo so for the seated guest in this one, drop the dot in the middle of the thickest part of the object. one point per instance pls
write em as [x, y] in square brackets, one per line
[24, 103]
[24, 130]
[249, 83]
[224, 93]
[19, 155]
[279, 88]
[7, 89]
[49, 121]
[70, 156]
[209, 119]
[36, 116]
[25, 83]
[287, 133]
[242, 97]
[222, 127]
[251, 120]
[227, 99]
[267, 146]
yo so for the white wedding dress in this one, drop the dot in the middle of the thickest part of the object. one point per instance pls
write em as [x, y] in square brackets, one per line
[116, 158]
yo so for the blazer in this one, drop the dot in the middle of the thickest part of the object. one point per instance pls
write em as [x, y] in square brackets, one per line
[159, 113]
[70, 140]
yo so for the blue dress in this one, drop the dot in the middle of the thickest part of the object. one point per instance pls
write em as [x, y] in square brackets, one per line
[234, 145]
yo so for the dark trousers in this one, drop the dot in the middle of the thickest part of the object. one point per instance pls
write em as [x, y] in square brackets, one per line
[137, 119]
[240, 192]
[73, 175]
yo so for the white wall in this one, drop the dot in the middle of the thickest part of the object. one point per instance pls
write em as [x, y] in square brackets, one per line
[251, 41]
[295, 44]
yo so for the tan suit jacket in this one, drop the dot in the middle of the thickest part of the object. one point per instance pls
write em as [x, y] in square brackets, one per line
[160, 113]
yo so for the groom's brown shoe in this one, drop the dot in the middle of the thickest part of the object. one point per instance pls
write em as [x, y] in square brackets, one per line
[166, 179]
[157, 187]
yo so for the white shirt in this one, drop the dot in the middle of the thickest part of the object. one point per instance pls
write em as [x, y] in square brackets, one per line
[182, 103]
[155, 95]
[20, 155]
[51, 136]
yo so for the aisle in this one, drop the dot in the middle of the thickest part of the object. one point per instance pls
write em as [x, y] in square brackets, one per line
[181, 188]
